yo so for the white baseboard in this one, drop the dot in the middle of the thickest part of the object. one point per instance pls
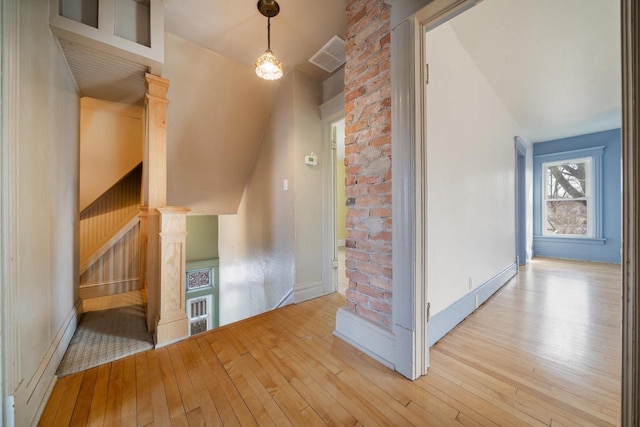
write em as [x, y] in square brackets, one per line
[287, 299]
[366, 336]
[444, 321]
[168, 342]
[33, 398]
[307, 291]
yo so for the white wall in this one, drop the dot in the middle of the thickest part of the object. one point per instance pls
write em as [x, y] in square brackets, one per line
[274, 243]
[256, 246]
[470, 174]
[307, 95]
[46, 212]
[217, 112]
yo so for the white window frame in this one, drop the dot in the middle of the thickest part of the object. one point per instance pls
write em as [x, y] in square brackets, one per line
[589, 197]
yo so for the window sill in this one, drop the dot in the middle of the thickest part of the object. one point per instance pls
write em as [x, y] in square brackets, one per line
[572, 240]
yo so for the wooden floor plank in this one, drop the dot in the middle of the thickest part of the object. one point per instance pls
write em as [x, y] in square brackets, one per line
[144, 407]
[161, 415]
[189, 398]
[65, 411]
[239, 372]
[536, 353]
[52, 413]
[177, 411]
[205, 386]
[196, 418]
[324, 405]
[232, 406]
[129, 398]
[85, 395]
[113, 409]
[49, 415]
[99, 399]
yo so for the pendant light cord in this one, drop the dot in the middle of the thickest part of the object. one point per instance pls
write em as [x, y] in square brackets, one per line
[269, 32]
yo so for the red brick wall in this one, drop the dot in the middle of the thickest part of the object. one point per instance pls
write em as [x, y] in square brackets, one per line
[368, 159]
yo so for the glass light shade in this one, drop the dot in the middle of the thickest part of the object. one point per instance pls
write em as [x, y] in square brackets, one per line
[268, 66]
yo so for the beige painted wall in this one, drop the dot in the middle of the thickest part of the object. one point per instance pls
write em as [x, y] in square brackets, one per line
[111, 145]
[333, 86]
[217, 113]
[46, 212]
[307, 96]
[202, 237]
[274, 243]
[257, 247]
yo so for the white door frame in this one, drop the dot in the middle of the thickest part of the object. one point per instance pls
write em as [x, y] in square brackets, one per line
[330, 112]
[408, 141]
[9, 323]
[630, 11]
[409, 21]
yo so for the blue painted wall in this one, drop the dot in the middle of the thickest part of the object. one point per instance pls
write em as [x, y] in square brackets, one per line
[576, 248]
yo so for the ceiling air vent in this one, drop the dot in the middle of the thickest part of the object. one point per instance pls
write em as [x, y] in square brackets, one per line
[331, 56]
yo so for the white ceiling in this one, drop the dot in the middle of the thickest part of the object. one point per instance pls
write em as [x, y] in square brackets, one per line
[237, 30]
[554, 63]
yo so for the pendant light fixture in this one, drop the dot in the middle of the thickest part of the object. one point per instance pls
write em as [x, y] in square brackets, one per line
[268, 66]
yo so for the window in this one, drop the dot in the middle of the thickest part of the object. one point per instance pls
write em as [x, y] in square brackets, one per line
[568, 205]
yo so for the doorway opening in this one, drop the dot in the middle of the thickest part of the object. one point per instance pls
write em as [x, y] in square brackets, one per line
[340, 205]
[479, 196]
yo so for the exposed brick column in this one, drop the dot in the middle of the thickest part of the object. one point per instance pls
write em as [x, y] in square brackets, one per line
[368, 159]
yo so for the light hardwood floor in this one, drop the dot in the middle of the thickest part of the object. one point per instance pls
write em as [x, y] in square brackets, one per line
[545, 350]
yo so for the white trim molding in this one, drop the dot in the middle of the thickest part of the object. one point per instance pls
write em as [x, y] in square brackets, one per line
[33, 395]
[287, 298]
[410, 19]
[330, 112]
[409, 254]
[366, 336]
[9, 106]
[630, 10]
[444, 321]
[307, 291]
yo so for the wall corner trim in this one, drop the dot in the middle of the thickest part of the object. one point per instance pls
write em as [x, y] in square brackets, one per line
[366, 336]
[307, 291]
[444, 321]
[287, 298]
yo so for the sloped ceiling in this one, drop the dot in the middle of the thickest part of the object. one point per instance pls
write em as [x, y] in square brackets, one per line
[217, 112]
[237, 30]
[218, 107]
[555, 64]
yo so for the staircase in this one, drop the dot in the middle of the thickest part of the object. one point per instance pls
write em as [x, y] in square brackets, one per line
[110, 240]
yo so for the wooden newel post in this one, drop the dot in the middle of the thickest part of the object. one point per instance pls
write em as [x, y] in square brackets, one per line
[154, 188]
[171, 320]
